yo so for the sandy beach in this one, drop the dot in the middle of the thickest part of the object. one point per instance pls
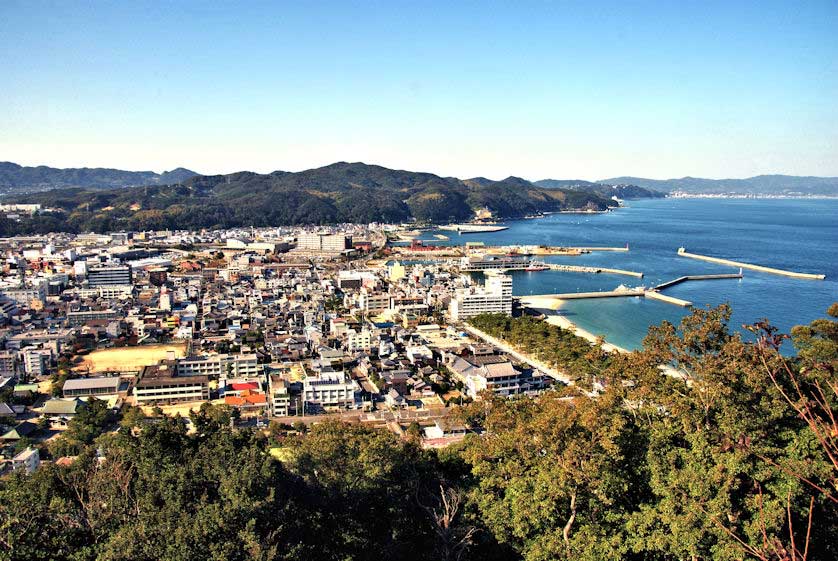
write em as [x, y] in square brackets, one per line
[564, 323]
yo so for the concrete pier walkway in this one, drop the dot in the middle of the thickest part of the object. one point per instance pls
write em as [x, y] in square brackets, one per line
[582, 269]
[686, 278]
[683, 252]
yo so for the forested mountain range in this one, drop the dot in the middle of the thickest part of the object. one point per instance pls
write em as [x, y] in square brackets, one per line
[341, 192]
[759, 185]
[22, 179]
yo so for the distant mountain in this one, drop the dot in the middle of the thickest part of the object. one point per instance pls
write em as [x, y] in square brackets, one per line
[605, 189]
[760, 185]
[19, 179]
[341, 192]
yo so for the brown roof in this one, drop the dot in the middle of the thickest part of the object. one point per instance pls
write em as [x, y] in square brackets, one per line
[166, 373]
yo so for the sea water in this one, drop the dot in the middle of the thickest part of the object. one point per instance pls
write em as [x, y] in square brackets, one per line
[794, 234]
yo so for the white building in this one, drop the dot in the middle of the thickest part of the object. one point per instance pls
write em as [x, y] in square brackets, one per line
[358, 341]
[162, 384]
[28, 460]
[329, 391]
[327, 243]
[493, 298]
[36, 361]
[220, 366]
[373, 303]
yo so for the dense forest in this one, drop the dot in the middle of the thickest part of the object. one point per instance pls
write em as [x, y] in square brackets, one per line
[735, 457]
[337, 193]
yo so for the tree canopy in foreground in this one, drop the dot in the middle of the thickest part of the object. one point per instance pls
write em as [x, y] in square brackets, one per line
[732, 454]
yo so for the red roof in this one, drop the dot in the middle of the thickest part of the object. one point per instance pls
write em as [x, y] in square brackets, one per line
[241, 386]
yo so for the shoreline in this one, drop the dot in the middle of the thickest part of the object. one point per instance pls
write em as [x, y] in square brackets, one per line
[555, 305]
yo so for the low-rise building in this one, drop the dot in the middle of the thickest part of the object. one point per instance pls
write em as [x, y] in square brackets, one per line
[105, 386]
[161, 384]
[27, 460]
[329, 391]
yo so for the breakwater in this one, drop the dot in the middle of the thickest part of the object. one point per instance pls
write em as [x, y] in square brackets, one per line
[686, 278]
[582, 269]
[683, 253]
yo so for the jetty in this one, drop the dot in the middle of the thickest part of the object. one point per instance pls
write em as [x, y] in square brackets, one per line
[625, 292]
[582, 269]
[655, 295]
[686, 278]
[683, 252]
[652, 293]
[588, 249]
[540, 299]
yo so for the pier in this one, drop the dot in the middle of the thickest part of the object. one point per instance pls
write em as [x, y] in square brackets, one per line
[588, 249]
[581, 295]
[581, 269]
[686, 278]
[655, 295]
[683, 252]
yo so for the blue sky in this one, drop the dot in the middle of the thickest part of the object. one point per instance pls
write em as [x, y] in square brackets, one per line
[536, 89]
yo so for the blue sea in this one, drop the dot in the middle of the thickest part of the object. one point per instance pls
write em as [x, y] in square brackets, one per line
[795, 234]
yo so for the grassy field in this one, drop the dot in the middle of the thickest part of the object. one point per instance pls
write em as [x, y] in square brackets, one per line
[129, 358]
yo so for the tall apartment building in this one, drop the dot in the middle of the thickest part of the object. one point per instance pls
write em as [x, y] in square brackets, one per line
[327, 243]
[105, 276]
[493, 298]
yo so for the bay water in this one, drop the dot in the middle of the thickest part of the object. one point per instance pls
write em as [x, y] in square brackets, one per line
[794, 234]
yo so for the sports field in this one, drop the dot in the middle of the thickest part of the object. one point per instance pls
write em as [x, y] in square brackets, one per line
[129, 358]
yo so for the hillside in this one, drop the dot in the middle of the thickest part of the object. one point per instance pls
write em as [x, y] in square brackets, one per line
[624, 190]
[22, 179]
[776, 185]
[341, 192]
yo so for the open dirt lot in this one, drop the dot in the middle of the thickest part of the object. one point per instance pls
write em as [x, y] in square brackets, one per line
[128, 358]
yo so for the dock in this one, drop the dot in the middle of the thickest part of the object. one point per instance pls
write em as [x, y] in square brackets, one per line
[683, 252]
[581, 269]
[686, 278]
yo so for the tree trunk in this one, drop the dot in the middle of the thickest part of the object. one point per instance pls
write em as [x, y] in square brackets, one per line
[566, 530]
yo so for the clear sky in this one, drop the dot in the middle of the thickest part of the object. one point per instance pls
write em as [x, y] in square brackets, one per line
[584, 90]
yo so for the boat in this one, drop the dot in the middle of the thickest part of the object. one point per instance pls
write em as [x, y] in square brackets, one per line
[535, 266]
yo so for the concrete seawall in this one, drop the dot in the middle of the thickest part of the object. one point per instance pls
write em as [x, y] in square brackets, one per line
[686, 278]
[683, 252]
[581, 295]
[654, 295]
[582, 269]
